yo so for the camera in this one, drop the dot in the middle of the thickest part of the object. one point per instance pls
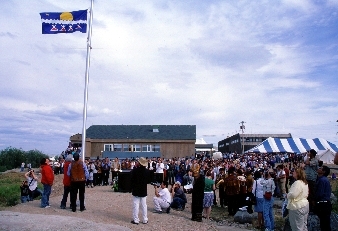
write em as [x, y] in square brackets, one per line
[155, 184]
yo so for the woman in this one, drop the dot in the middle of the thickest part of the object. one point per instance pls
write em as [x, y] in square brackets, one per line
[209, 189]
[197, 198]
[257, 190]
[268, 188]
[298, 204]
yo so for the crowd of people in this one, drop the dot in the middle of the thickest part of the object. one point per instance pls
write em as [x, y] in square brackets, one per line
[251, 181]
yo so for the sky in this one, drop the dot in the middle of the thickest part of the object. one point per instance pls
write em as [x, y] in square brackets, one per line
[213, 64]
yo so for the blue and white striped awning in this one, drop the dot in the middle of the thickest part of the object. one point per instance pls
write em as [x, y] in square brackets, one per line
[293, 145]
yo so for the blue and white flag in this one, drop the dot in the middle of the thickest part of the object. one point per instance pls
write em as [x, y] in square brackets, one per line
[64, 22]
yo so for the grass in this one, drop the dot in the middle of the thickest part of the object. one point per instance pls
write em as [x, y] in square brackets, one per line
[10, 188]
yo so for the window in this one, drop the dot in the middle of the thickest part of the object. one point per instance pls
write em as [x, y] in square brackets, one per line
[108, 147]
[156, 148]
[146, 148]
[126, 147]
[137, 147]
[118, 147]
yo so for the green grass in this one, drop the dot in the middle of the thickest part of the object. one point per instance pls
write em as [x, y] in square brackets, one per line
[10, 188]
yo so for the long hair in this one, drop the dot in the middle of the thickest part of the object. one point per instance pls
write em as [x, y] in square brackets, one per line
[301, 175]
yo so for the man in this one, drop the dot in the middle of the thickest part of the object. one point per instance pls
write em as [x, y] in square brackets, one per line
[115, 168]
[162, 199]
[32, 180]
[311, 167]
[105, 170]
[139, 181]
[281, 179]
[179, 197]
[159, 171]
[231, 187]
[66, 182]
[322, 196]
[78, 173]
[220, 186]
[47, 180]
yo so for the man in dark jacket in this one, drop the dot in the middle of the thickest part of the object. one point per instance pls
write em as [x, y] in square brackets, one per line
[78, 173]
[139, 181]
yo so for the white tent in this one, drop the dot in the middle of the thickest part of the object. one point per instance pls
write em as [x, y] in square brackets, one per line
[327, 156]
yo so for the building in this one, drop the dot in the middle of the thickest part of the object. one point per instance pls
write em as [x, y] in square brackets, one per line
[242, 142]
[132, 141]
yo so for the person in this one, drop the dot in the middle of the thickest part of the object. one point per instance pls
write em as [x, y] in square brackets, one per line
[333, 176]
[47, 180]
[115, 168]
[22, 167]
[335, 160]
[220, 186]
[66, 182]
[162, 199]
[322, 196]
[78, 173]
[197, 197]
[257, 190]
[311, 166]
[105, 171]
[249, 184]
[159, 171]
[231, 187]
[24, 192]
[298, 204]
[281, 179]
[91, 170]
[32, 180]
[268, 187]
[188, 182]
[179, 197]
[209, 188]
[139, 181]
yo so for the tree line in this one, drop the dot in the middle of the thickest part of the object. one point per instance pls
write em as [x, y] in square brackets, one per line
[11, 158]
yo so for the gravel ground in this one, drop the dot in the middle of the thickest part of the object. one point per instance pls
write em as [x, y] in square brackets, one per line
[105, 209]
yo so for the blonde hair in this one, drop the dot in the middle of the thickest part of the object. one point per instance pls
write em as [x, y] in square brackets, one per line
[301, 175]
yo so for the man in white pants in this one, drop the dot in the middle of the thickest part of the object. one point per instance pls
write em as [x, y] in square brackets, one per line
[162, 198]
[139, 181]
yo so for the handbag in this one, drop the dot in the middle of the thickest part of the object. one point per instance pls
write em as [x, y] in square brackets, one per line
[267, 195]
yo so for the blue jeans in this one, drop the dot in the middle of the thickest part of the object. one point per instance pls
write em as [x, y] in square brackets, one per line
[47, 189]
[269, 221]
[177, 203]
[24, 199]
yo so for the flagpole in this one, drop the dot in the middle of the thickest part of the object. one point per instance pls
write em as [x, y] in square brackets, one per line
[89, 47]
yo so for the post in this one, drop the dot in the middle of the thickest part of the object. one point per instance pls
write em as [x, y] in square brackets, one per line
[89, 37]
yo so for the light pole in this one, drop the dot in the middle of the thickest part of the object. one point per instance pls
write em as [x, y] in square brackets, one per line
[242, 127]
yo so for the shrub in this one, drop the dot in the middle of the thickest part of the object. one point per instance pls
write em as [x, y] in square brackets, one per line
[3, 169]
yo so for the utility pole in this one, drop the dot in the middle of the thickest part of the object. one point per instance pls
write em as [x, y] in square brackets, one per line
[242, 127]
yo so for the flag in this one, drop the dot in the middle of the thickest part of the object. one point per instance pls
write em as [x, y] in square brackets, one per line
[64, 22]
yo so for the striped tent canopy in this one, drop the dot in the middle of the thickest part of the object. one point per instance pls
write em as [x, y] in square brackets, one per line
[293, 145]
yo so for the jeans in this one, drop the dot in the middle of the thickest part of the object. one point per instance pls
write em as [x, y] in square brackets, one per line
[24, 199]
[178, 203]
[269, 221]
[47, 189]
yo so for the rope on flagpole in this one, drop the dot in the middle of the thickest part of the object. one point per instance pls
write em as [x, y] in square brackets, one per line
[89, 47]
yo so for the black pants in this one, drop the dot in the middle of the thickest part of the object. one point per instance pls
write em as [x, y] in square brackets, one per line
[77, 187]
[323, 211]
[66, 191]
[232, 204]
[105, 177]
[221, 194]
[158, 177]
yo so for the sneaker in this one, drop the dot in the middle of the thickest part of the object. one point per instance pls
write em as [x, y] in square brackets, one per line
[168, 210]
[47, 206]
[133, 222]
[158, 211]
[145, 222]
[62, 207]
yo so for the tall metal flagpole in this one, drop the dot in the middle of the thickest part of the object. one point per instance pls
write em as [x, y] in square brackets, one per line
[89, 47]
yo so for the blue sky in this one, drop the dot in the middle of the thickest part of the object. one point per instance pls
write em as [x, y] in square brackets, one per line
[272, 64]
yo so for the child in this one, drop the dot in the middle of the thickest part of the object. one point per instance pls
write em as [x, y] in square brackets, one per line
[24, 192]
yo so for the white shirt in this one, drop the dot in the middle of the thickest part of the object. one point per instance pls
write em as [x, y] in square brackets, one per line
[159, 167]
[165, 195]
[33, 185]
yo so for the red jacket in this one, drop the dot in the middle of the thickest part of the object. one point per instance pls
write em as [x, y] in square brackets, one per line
[47, 175]
[66, 178]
